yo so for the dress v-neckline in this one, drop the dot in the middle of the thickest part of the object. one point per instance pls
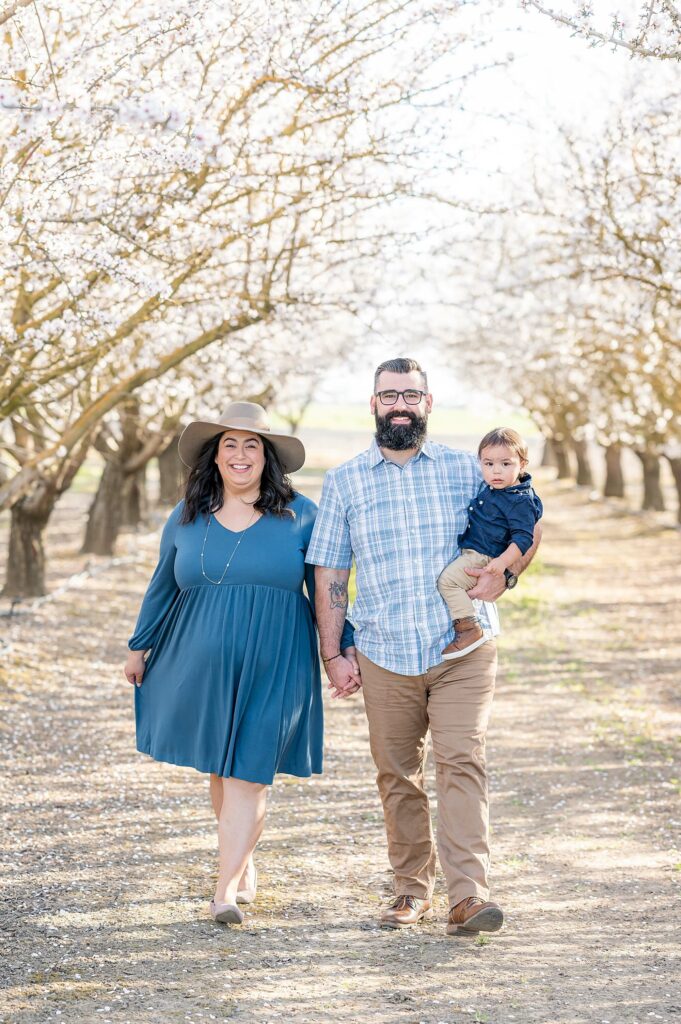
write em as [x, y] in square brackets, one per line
[227, 529]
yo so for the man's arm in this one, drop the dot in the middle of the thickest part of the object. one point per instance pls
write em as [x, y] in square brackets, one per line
[331, 605]
[488, 587]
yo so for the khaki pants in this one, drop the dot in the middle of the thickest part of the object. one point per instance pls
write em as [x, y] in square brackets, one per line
[453, 699]
[454, 581]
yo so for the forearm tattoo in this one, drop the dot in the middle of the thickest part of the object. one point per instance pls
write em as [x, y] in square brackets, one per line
[338, 595]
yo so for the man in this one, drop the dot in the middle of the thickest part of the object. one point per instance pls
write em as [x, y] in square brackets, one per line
[398, 508]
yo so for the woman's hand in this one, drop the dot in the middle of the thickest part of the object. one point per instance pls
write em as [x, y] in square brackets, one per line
[343, 674]
[134, 667]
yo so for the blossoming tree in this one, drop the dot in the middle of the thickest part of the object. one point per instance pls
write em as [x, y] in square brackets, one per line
[651, 29]
[179, 176]
[582, 310]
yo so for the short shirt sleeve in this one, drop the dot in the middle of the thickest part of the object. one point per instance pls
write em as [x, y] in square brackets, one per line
[330, 545]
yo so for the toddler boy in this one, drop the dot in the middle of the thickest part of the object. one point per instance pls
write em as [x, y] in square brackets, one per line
[500, 529]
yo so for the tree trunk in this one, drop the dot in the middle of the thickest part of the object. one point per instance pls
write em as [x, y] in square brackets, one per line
[171, 473]
[675, 465]
[548, 457]
[584, 474]
[134, 498]
[614, 477]
[26, 556]
[562, 453]
[120, 501]
[106, 511]
[652, 491]
[121, 496]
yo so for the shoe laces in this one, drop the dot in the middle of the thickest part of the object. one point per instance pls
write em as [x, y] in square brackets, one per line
[463, 905]
[402, 902]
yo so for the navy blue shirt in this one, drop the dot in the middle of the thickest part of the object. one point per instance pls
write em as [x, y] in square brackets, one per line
[498, 517]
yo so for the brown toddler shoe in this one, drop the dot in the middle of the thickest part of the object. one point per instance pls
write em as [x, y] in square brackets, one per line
[469, 635]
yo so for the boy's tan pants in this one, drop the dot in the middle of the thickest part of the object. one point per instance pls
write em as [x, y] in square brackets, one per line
[454, 700]
[454, 581]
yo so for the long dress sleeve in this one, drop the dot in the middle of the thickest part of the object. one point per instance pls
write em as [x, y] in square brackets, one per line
[307, 525]
[161, 592]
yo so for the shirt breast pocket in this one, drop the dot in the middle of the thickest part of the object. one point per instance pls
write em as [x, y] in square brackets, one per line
[489, 510]
[372, 524]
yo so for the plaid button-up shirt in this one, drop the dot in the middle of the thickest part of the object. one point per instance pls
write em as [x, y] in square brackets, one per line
[401, 524]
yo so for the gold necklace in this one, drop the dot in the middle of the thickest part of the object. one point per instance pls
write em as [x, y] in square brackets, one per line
[229, 560]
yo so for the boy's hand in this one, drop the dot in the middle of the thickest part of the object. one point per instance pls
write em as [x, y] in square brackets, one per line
[496, 567]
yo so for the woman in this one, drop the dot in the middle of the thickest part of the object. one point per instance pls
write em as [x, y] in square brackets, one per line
[232, 684]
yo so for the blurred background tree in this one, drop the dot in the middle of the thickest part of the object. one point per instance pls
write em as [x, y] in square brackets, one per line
[577, 297]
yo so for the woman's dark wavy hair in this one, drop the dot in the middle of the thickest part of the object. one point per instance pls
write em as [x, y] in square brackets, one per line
[204, 492]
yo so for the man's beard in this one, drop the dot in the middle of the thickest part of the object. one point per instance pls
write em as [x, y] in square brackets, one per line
[401, 437]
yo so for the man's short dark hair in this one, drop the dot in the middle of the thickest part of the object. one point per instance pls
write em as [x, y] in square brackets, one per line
[399, 366]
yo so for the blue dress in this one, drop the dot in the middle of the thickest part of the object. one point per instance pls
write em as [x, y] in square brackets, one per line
[232, 684]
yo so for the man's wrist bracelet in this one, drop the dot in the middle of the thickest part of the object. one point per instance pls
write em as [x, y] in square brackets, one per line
[327, 660]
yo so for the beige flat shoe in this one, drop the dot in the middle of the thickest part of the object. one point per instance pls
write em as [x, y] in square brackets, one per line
[248, 895]
[225, 913]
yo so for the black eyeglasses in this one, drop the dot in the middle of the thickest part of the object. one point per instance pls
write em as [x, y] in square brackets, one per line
[411, 396]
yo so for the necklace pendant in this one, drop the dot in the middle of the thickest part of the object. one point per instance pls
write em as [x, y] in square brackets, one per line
[229, 560]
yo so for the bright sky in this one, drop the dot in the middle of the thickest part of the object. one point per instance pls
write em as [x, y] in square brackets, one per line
[552, 79]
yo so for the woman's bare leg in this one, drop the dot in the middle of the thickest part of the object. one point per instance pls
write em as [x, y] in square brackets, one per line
[216, 794]
[241, 820]
[247, 880]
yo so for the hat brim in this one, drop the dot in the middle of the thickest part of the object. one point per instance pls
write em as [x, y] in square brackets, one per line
[289, 449]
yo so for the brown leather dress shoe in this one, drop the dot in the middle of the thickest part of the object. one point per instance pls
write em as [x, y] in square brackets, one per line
[405, 911]
[474, 915]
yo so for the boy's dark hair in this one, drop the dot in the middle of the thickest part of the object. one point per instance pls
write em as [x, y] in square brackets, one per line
[508, 438]
[399, 366]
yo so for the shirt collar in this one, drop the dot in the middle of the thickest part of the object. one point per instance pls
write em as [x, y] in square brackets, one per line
[375, 455]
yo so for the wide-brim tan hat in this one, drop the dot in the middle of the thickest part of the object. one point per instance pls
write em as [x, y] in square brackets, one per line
[241, 416]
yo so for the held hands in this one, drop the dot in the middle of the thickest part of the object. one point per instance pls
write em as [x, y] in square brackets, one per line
[134, 667]
[496, 567]
[343, 674]
[489, 587]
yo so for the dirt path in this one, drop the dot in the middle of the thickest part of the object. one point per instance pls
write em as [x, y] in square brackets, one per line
[108, 857]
